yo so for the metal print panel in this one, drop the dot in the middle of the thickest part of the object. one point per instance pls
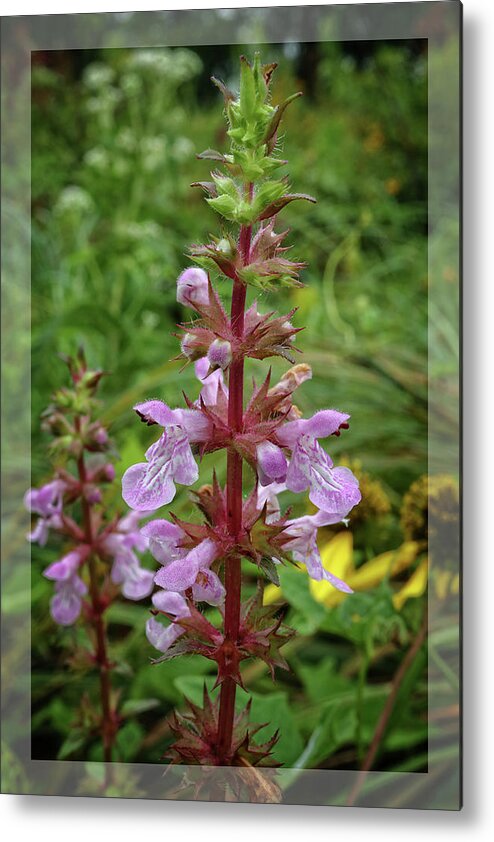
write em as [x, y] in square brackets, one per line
[231, 418]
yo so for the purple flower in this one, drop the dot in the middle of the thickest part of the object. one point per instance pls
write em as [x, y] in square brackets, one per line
[271, 463]
[65, 605]
[220, 353]
[149, 485]
[126, 570]
[182, 568]
[303, 546]
[191, 570]
[324, 423]
[268, 495]
[162, 637]
[303, 533]
[192, 287]
[334, 490]
[213, 385]
[47, 502]
[62, 570]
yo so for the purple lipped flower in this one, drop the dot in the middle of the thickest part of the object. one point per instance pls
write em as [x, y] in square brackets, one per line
[126, 571]
[160, 636]
[304, 549]
[267, 495]
[149, 485]
[184, 568]
[220, 353]
[192, 287]
[271, 463]
[191, 571]
[63, 569]
[213, 385]
[47, 502]
[303, 533]
[334, 490]
[65, 605]
[136, 581]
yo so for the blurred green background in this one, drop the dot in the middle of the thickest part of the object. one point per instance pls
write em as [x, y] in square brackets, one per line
[114, 137]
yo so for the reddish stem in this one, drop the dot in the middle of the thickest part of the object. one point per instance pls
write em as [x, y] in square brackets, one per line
[233, 574]
[101, 654]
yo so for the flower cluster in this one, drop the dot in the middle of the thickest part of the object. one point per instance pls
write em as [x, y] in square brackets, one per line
[200, 561]
[113, 541]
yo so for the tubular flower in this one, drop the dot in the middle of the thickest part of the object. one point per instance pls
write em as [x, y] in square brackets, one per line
[220, 353]
[158, 635]
[65, 605]
[192, 287]
[302, 533]
[271, 463]
[303, 546]
[149, 485]
[47, 502]
[334, 490]
[182, 567]
[126, 571]
[213, 385]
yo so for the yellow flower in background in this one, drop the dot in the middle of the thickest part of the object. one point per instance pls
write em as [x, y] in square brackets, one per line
[414, 587]
[375, 139]
[429, 513]
[337, 556]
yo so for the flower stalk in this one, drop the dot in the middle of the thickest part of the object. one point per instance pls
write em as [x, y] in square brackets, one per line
[99, 549]
[234, 482]
[109, 723]
[263, 434]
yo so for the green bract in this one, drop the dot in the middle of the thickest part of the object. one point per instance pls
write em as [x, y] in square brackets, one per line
[247, 193]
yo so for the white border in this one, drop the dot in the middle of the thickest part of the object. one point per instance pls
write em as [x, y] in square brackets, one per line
[55, 819]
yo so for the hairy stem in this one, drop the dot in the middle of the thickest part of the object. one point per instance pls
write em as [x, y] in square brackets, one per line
[101, 653]
[233, 573]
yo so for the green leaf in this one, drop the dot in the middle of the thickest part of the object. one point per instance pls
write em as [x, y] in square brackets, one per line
[191, 687]
[322, 681]
[275, 710]
[270, 569]
[128, 740]
[75, 741]
[134, 707]
[366, 619]
[248, 97]
[162, 680]
[309, 614]
[337, 727]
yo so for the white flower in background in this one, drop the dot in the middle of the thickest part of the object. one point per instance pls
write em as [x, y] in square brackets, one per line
[139, 231]
[182, 148]
[126, 140]
[176, 65]
[157, 60]
[149, 319]
[106, 101]
[98, 75]
[73, 199]
[153, 151]
[97, 158]
[130, 84]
